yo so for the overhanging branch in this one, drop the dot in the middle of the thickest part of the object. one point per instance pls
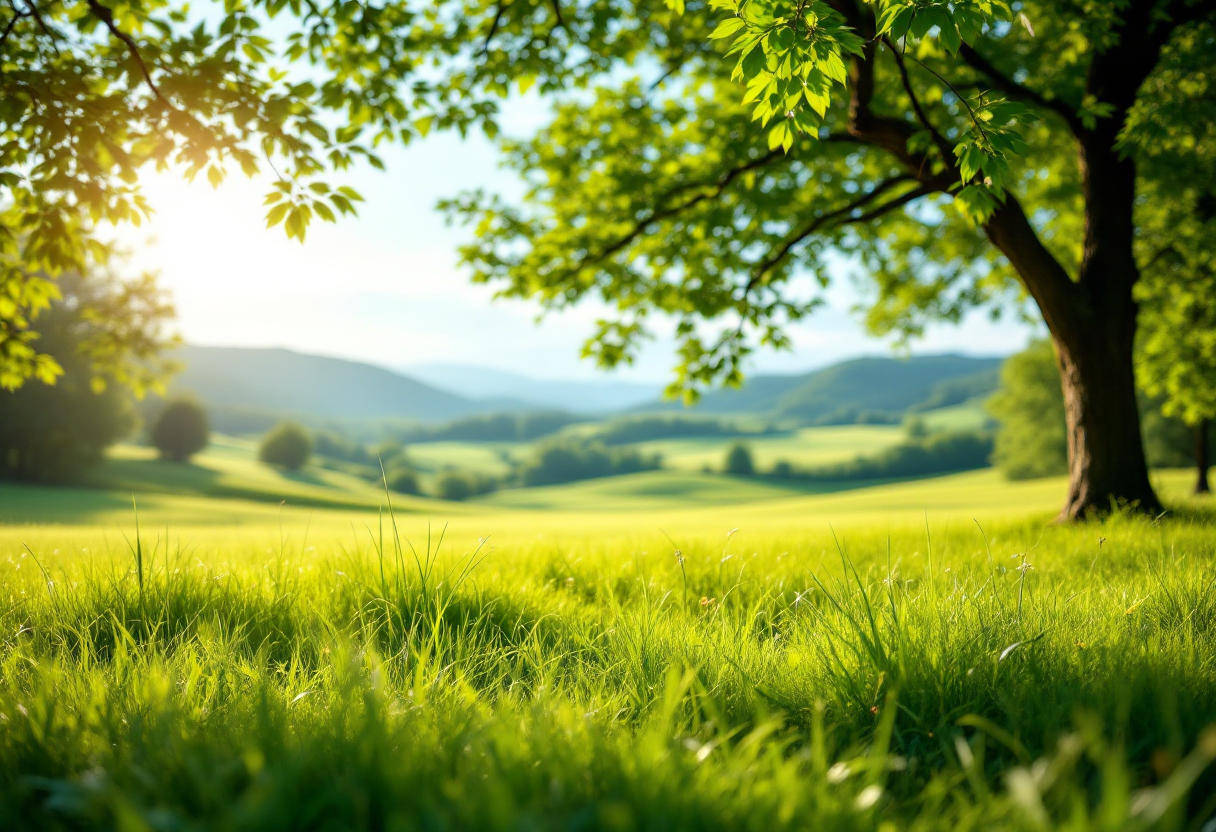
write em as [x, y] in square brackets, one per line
[711, 191]
[107, 18]
[1012, 88]
[842, 217]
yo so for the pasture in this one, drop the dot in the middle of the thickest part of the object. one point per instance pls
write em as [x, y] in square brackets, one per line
[666, 650]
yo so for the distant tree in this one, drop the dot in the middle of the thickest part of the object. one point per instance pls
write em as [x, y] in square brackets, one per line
[915, 427]
[739, 461]
[181, 430]
[289, 445]
[454, 485]
[461, 485]
[1178, 308]
[53, 433]
[403, 480]
[1032, 440]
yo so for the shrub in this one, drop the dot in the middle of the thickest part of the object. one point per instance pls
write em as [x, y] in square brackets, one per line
[289, 445]
[181, 430]
[461, 485]
[402, 480]
[782, 469]
[739, 461]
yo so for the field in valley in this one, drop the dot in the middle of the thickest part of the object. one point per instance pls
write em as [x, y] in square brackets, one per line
[664, 650]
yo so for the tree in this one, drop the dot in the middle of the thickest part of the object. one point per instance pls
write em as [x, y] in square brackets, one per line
[1032, 441]
[288, 446]
[181, 430]
[1178, 355]
[93, 92]
[1029, 406]
[54, 433]
[976, 156]
[739, 461]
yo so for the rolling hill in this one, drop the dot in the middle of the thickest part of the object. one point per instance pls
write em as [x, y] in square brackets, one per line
[603, 395]
[874, 388]
[255, 383]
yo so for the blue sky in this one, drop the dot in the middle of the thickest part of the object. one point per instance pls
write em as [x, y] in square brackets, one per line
[385, 287]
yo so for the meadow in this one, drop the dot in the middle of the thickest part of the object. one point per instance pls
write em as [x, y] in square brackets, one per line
[628, 653]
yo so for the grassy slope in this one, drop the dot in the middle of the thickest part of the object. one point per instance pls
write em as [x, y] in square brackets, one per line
[279, 676]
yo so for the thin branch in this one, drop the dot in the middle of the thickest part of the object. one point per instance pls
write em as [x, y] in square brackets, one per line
[107, 17]
[499, 11]
[714, 192]
[557, 12]
[1012, 88]
[842, 214]
[938, 138]
[8, 30]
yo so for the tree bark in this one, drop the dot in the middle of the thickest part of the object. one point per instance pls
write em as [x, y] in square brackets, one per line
[1093, 328]
[1202, 458]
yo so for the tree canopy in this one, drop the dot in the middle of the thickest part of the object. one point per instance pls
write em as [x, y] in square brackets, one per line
[53, 433]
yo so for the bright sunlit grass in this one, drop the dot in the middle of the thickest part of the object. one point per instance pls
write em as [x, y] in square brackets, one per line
[611, 670]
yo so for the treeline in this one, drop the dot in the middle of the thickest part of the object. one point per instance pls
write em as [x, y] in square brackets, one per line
[919, 455]
[572, 459]
[627, 430]
[492, 427]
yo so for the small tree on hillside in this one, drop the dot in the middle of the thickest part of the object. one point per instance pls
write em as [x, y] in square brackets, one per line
[739, 461]
[288, 446]
[181, 431]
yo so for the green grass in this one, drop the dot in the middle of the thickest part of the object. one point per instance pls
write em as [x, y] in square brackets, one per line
[667, 650]
[574, 672]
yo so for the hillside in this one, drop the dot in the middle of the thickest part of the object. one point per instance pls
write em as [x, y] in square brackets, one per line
[858, 390]
[602, 395]
[262, 384]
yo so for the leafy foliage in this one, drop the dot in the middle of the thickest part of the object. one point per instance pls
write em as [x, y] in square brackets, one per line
[1032, 440]
[181, 430]
[288, 445]
[93, 93]
[104, 334]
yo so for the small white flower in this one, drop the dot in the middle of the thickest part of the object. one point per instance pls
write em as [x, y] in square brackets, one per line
[838, 773]
[868, 797]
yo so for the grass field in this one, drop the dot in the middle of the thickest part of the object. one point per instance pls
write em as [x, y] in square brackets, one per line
[668, 650]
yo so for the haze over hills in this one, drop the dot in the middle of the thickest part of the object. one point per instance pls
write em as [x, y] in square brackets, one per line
[286, 382]
[481, 383]
[248, 389]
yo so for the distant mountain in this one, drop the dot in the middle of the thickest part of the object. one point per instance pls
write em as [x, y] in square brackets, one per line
[482, 383]
[857, 390]
[263, 383]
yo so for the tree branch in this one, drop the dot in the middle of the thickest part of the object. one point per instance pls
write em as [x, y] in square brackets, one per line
[842, 214]
[107, 18]
[715, 190]
[499, 11]
[942, 145]
[8, 30]
[1012, 88]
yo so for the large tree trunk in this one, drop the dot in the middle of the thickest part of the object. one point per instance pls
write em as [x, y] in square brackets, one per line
[1106, 461]
[1093, 325]
[1202, 460]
